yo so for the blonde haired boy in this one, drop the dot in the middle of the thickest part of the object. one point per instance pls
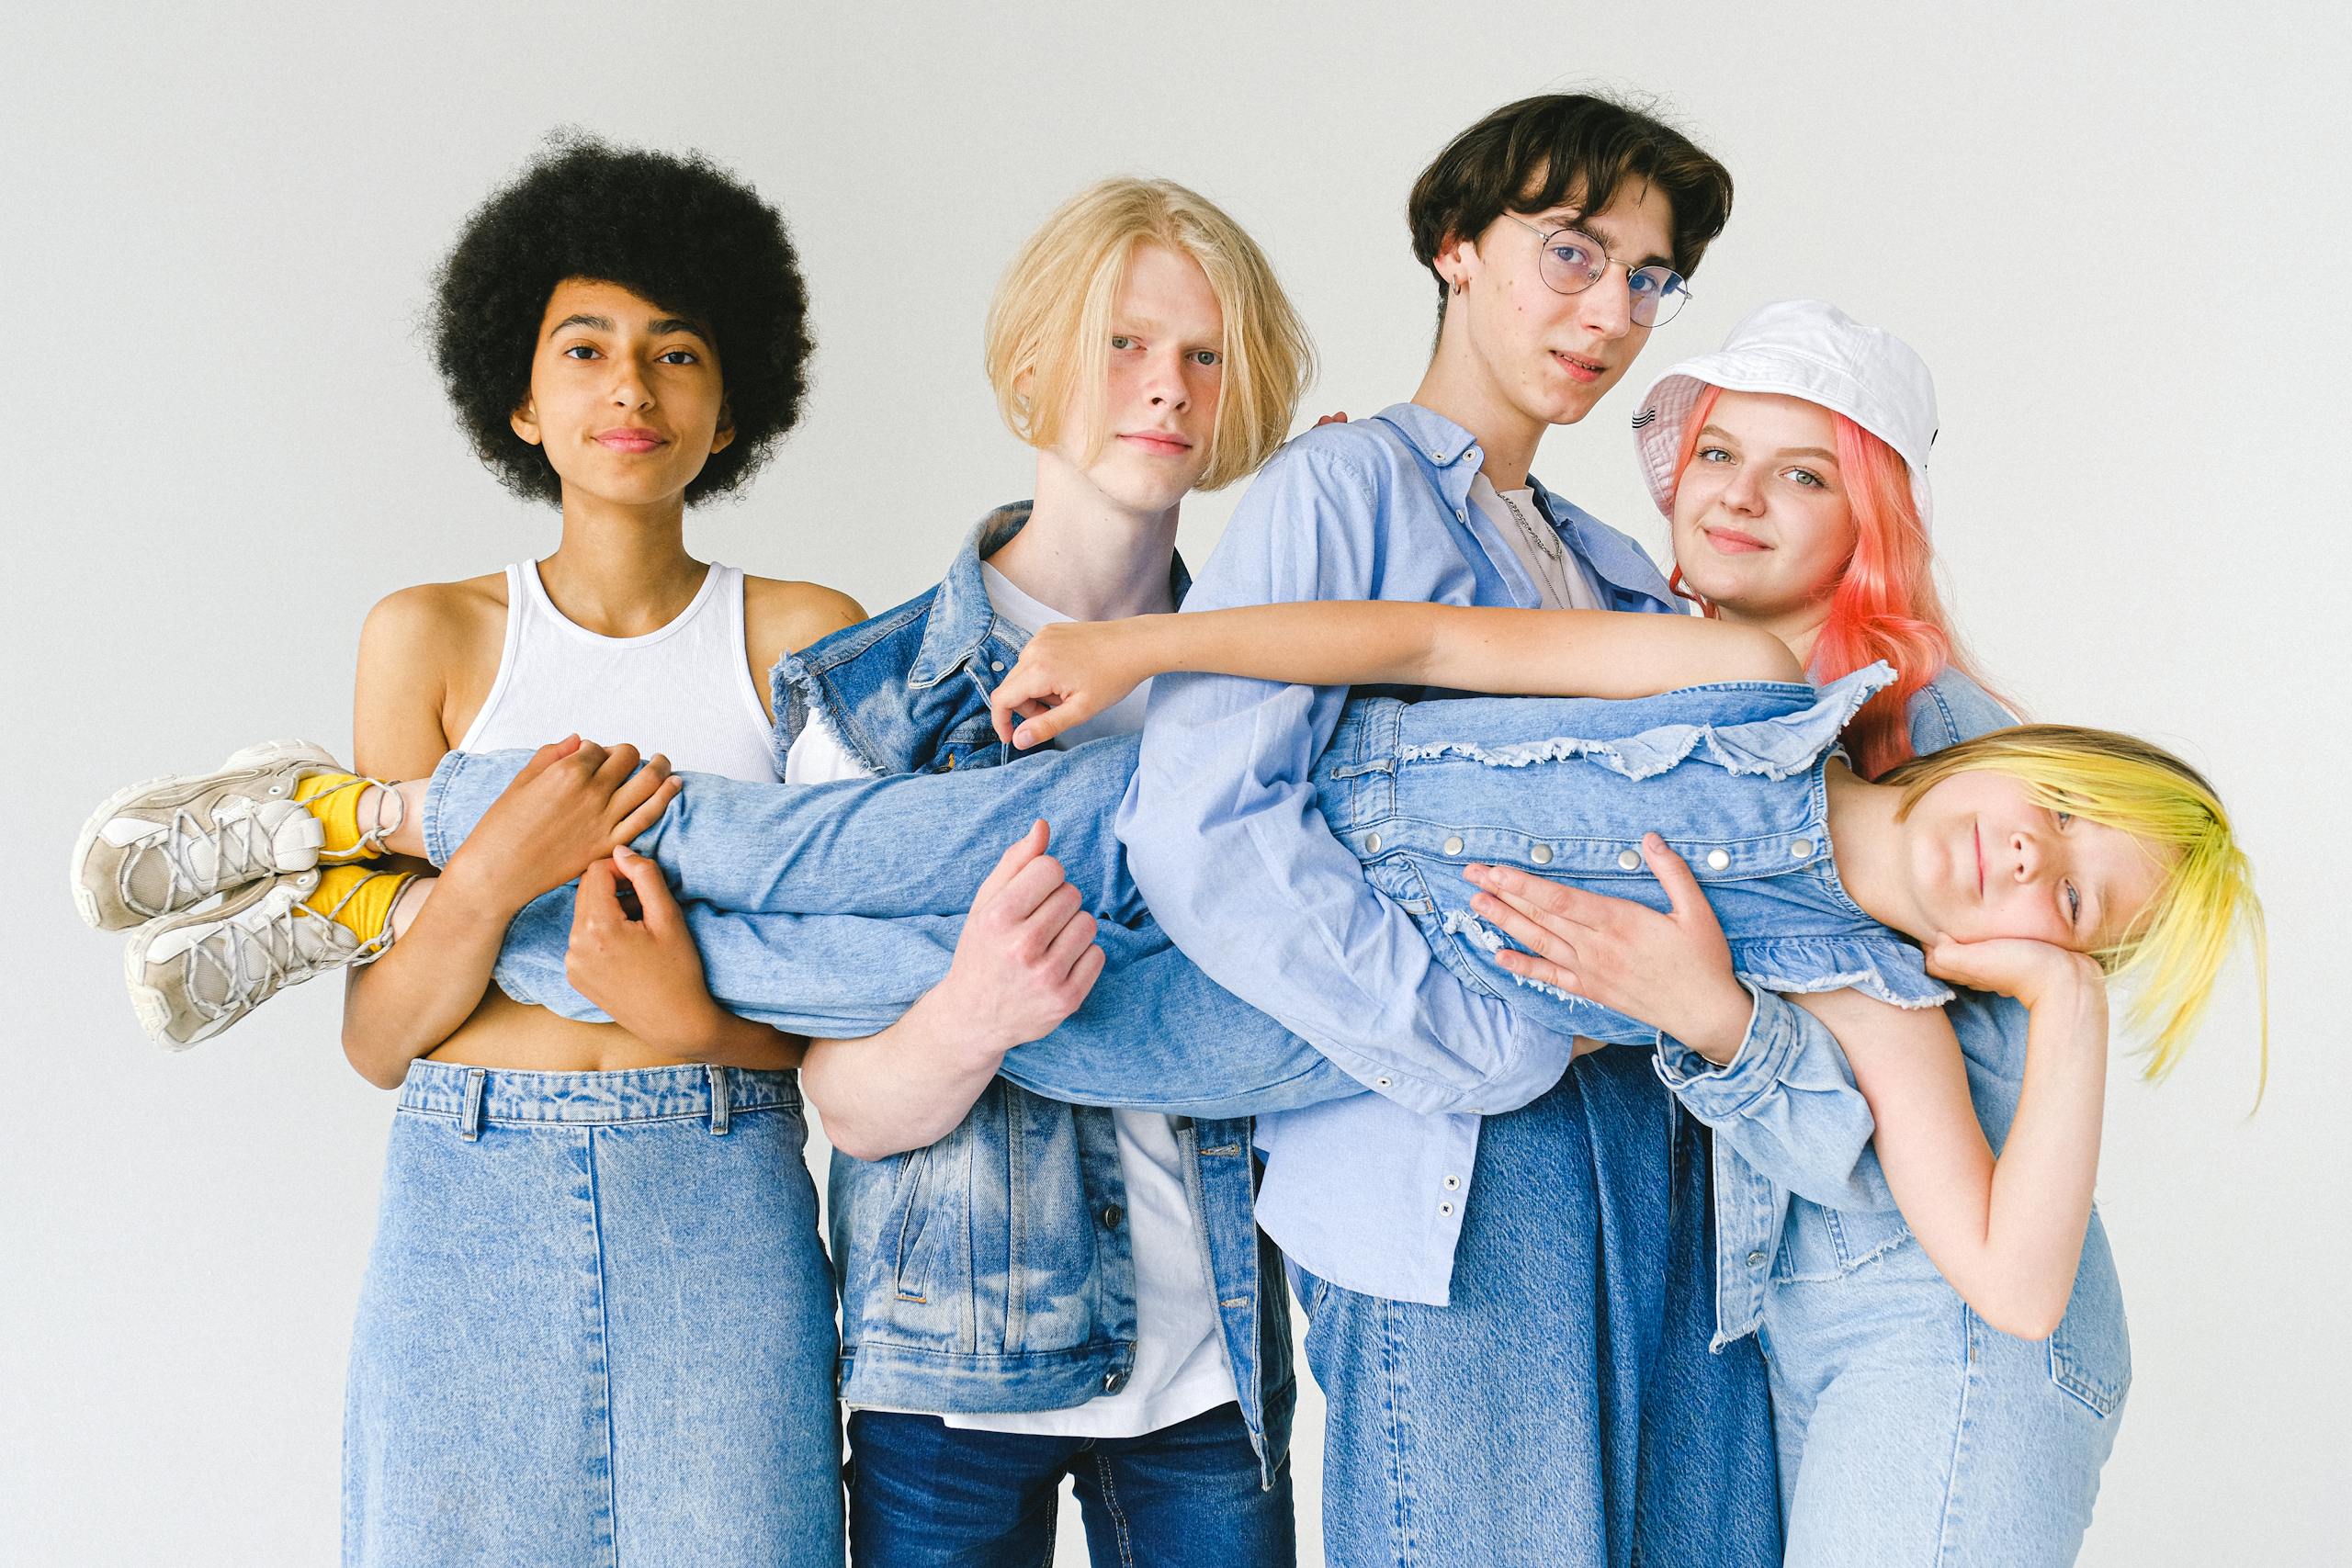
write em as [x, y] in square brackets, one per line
[1033, 1290]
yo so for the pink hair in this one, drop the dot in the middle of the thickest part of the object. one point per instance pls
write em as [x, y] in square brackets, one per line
[1884, 605]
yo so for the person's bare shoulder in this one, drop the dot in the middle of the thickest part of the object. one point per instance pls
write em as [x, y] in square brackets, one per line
[428, 656]
[781, 616]
[449, 625]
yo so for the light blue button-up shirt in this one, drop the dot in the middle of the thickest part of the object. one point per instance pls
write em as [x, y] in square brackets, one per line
[1226, 845]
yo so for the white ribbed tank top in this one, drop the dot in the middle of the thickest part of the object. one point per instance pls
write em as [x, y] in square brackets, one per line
[684, 689]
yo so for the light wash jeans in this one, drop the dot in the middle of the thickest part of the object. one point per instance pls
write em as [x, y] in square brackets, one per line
[597, 1328]
[1912, 1433]
[877, 877]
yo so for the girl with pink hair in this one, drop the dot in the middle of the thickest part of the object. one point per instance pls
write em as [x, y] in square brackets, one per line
[1793, 466]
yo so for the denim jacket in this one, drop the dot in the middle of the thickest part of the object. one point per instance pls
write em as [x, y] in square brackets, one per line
[991, 1270]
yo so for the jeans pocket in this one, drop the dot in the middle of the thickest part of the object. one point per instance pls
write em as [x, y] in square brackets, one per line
[2090, 1353]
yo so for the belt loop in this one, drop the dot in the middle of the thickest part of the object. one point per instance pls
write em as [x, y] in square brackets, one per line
[717, 1099]
[470, 1118]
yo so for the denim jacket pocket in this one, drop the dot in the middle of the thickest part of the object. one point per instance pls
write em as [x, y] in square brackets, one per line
[2090, 1354]
[1818, 1244]
[909, 1272]
[968, 746]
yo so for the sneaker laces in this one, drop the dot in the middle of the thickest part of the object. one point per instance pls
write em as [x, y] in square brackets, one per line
[287, 947]
[241, 850]
[371, 842]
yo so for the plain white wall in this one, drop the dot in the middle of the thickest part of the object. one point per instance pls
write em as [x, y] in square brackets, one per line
[2117, 234]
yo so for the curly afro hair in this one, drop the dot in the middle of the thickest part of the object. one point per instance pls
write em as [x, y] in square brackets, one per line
[677, 229]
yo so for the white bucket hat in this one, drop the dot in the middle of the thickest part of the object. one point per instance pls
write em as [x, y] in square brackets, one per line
[1806, 349]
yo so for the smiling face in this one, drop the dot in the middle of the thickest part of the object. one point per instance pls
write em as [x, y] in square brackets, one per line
[626, 397]
[1551, 355]
[1986, 861]
[1763, 528]
[1164, 369]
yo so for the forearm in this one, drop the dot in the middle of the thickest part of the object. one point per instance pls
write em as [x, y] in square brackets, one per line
[724, 1040]
[1598, 654]
[2006, 1234]
[427, 984]
[906, 1088]
[2039, 1203]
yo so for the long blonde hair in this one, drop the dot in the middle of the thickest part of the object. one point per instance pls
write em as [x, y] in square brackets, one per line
[2174, 951]
[1049, 324]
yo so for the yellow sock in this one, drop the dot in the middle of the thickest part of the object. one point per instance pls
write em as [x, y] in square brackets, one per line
[359, 900]
[334, 799]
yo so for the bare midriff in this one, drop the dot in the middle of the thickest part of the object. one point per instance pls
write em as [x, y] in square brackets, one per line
[519, 1037]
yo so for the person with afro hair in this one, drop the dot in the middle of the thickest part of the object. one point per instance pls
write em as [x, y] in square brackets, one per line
[598, 1310]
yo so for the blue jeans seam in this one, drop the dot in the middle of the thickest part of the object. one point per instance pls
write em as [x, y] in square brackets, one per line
[1970, 1328]
[1116, 1515]
[1399, 1471]
[551, 1123]
[604, 1356]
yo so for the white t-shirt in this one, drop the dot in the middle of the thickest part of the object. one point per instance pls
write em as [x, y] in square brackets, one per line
[1181, 1367]
[1561, 581]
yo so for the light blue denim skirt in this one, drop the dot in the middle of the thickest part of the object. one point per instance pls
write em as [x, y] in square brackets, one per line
[597, 1327]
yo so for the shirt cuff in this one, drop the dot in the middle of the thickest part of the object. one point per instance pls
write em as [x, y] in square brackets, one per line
[1534, 1060]
[1717, 1094]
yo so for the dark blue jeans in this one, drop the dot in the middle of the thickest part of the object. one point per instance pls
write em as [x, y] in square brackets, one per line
[923, 1494]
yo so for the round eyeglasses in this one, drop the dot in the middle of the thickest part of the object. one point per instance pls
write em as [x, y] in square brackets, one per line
[1572, 261]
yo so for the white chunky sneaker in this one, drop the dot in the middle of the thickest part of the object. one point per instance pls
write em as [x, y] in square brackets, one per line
[166, 845]
[194, 974]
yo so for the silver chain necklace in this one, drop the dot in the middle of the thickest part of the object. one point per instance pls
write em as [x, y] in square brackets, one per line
[1542, 541]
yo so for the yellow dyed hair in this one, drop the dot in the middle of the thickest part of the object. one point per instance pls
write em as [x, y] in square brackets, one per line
[1049, 326]
[2173, 952]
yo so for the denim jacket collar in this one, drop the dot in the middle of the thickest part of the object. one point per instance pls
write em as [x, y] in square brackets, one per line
[961, 613]
[1455, 457]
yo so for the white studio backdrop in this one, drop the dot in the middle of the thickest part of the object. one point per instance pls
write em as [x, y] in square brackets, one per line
[2113, 231]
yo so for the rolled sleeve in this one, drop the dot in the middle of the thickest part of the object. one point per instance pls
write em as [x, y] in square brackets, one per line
[1786, 1103]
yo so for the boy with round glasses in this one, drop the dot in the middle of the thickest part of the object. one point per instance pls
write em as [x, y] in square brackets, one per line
[1503, 1254]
